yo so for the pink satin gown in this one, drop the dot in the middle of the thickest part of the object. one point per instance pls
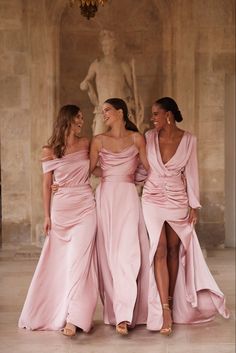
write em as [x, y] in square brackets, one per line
[65, 286]
[169, 190]
[122, 243]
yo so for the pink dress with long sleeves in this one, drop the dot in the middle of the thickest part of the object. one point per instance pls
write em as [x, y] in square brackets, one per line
[169, 190]
[122, 243]
[65, 286]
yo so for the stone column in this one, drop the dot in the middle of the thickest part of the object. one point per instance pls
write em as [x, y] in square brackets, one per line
[230, 159]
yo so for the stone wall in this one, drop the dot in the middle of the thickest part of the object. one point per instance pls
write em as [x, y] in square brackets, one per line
[27, 85]
[15, 122]
[185, 49]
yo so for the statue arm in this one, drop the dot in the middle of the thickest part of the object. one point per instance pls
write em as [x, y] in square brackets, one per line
[87, 85]
[89, 77]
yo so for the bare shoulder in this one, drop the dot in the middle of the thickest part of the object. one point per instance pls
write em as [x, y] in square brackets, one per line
[97, 140]
[47, 153]
[138, 138]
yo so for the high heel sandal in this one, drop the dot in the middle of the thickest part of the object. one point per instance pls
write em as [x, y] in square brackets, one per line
[69, 330]
[166, 331]
[122, 328]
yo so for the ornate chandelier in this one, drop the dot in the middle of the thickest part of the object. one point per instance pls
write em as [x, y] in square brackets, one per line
[88, 8]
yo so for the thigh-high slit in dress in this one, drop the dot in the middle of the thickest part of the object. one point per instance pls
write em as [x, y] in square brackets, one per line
[170, 189]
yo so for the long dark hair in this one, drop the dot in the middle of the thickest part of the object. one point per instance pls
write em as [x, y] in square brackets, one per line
[61, 129]
[118, 103]
[169, 104]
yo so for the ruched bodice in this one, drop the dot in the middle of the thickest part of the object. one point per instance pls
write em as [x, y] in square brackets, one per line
[70, 170]
[173, 184]
[74, 199]
[64, 287]
[169, 190]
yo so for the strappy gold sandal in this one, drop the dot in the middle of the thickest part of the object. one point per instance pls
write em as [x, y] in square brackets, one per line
[122, 328]
[69, 330]
[167, 330]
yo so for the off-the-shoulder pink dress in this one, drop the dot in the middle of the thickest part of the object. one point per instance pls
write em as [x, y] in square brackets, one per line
[64, 286]
[169, 190]
[122, 243]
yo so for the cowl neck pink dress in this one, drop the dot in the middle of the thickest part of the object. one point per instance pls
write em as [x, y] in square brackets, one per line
[64, 286]
[122, 243]
[169, 190]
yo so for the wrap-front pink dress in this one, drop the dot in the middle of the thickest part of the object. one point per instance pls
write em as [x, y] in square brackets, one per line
[65, 286]
[169, 190]
[122, 243]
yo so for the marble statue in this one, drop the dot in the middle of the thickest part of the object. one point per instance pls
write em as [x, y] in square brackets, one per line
[109, 77]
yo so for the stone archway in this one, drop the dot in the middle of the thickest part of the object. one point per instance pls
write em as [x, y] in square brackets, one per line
[146, 40]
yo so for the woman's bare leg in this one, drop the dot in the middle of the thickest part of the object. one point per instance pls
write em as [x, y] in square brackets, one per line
[162, 276]
[173, 244]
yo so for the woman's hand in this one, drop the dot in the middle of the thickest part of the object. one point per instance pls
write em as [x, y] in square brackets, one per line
[192, 218]
[84, 85]
[97, 172]
[47, 225]
[54, 188]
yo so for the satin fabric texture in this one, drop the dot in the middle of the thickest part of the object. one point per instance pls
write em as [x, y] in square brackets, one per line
[122, 243]
[169, 190]
[65, 285]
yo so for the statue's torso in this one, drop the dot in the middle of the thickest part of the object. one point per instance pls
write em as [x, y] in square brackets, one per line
[110, 80]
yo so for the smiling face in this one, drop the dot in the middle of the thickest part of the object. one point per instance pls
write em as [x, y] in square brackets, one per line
[110, 114]
[159, 116]
[77, 124]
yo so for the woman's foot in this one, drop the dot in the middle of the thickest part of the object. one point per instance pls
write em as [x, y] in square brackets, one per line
[69, 330]
[122, 328]
[167, 320]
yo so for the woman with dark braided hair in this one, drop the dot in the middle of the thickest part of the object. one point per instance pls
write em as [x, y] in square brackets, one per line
[63, 291]
[122, 243]
[179, 277]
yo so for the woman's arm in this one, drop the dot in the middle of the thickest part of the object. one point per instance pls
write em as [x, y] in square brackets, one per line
[191, 175]
[141, 145]
[94, 155]
[192, 182]
[47, 181]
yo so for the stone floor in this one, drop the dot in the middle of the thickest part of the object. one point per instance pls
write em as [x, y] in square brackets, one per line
[16, 268]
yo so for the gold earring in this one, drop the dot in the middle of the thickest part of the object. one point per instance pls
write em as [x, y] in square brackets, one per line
[168, 121]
